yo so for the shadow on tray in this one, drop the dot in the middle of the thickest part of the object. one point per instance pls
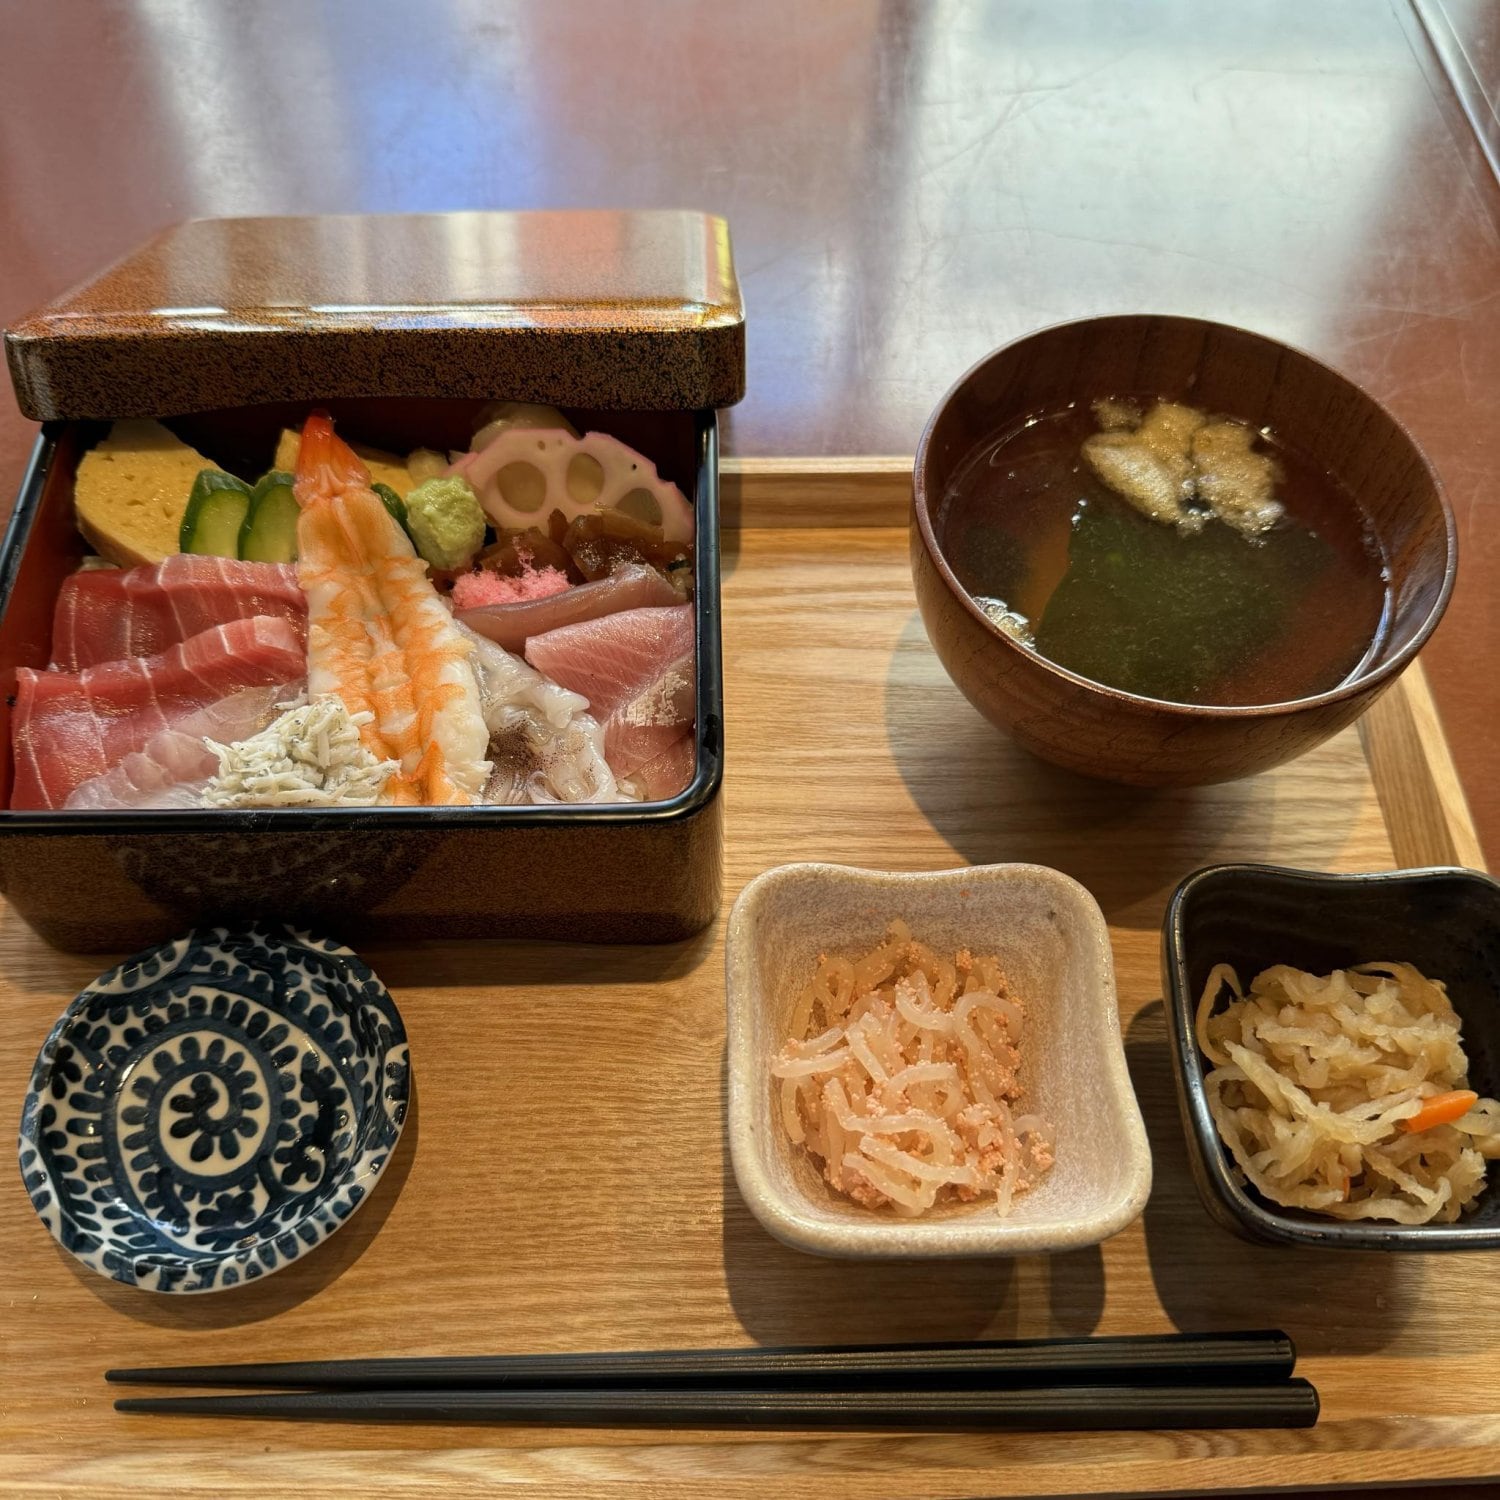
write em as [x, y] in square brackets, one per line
[256, 1301]
[1330, 1302]
[996, 803]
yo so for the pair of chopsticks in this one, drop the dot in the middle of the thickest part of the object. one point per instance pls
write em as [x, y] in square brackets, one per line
[1154, 1381]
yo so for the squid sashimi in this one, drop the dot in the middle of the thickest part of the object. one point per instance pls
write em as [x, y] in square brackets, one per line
[379, 636]
[544, 744]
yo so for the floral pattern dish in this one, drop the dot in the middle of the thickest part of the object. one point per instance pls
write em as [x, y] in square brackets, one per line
[211, 1109]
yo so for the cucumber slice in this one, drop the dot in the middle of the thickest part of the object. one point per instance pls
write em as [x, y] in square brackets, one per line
[269, 532]
[392, 502]
[215, 512]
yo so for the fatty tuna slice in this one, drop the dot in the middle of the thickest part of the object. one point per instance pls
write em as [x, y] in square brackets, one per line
[652, 719]
[68, 727]
[613, 659]
[110, 614]
[670, 772]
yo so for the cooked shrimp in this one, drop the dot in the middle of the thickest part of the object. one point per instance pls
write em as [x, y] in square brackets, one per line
[378, 635]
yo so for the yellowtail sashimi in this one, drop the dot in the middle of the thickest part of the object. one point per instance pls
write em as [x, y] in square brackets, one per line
[379, 636]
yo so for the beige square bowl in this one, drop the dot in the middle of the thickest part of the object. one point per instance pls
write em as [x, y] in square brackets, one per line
[1050, 937]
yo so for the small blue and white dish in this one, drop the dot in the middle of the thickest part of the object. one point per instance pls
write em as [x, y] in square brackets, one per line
[214, 1108]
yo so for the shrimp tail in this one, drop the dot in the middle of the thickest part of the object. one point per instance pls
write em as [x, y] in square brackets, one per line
[326, 464]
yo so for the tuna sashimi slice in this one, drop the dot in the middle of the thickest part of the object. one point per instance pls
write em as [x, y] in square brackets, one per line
[70, 726]
[669, 773]
[612, 659]
[512, 625]
[109, 614]
[649, 722]
[171, 768]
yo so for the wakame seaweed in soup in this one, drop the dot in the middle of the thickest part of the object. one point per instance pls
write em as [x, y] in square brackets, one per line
[1214, 566]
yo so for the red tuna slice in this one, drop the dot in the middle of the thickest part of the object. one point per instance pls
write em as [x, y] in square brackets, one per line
[71, 726]
[670, 772]
[512, 625]
[108, 614]
[613, 658]
[647, 724]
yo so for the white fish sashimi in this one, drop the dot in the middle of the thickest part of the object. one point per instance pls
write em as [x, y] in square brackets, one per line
[174, 765]
[544, 745]
[171, 771]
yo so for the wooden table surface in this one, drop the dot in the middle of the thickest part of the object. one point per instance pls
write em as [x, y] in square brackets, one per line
[909, 185]
[563, 1181]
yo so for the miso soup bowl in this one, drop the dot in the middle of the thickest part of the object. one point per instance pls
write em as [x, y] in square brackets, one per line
[1118, 736]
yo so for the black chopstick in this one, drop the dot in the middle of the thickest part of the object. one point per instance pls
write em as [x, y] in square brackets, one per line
[1288, 1403]
[1155, 1359]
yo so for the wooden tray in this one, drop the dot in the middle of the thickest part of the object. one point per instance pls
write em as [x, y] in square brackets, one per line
[563, 1181]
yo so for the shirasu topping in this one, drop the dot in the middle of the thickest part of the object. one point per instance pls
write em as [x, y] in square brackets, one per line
[311, 756]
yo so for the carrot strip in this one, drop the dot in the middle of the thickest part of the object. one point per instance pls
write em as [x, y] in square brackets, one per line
[1441, 1109]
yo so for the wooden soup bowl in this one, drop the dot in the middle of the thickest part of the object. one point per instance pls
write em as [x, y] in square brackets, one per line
[1100, 731]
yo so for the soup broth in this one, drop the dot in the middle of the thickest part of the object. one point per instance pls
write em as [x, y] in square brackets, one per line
[1210, 616]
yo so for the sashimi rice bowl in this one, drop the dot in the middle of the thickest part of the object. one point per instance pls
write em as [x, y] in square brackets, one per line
[509, 623]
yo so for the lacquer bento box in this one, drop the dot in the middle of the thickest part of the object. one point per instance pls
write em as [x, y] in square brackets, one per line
[405, 331]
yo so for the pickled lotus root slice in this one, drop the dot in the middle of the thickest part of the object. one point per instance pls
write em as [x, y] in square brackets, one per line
[527, 473]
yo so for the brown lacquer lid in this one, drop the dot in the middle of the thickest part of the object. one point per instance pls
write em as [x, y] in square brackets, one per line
[595, 308]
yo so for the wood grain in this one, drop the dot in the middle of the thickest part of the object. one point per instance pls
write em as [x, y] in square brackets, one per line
[563, 1184]
[1420, 793]
[870, 491]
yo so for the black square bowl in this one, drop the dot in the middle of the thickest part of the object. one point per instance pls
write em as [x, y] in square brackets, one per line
[1445, 921]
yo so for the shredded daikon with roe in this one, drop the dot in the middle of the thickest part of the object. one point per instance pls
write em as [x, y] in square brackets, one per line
[311, 756]
[1347, 1094]
[902, 1079]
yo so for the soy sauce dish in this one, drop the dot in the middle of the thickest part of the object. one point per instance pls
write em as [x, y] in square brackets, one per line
[208, 1111]
[1163, 551]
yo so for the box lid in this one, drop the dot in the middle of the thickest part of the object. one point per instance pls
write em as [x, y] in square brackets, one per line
[596, 308]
